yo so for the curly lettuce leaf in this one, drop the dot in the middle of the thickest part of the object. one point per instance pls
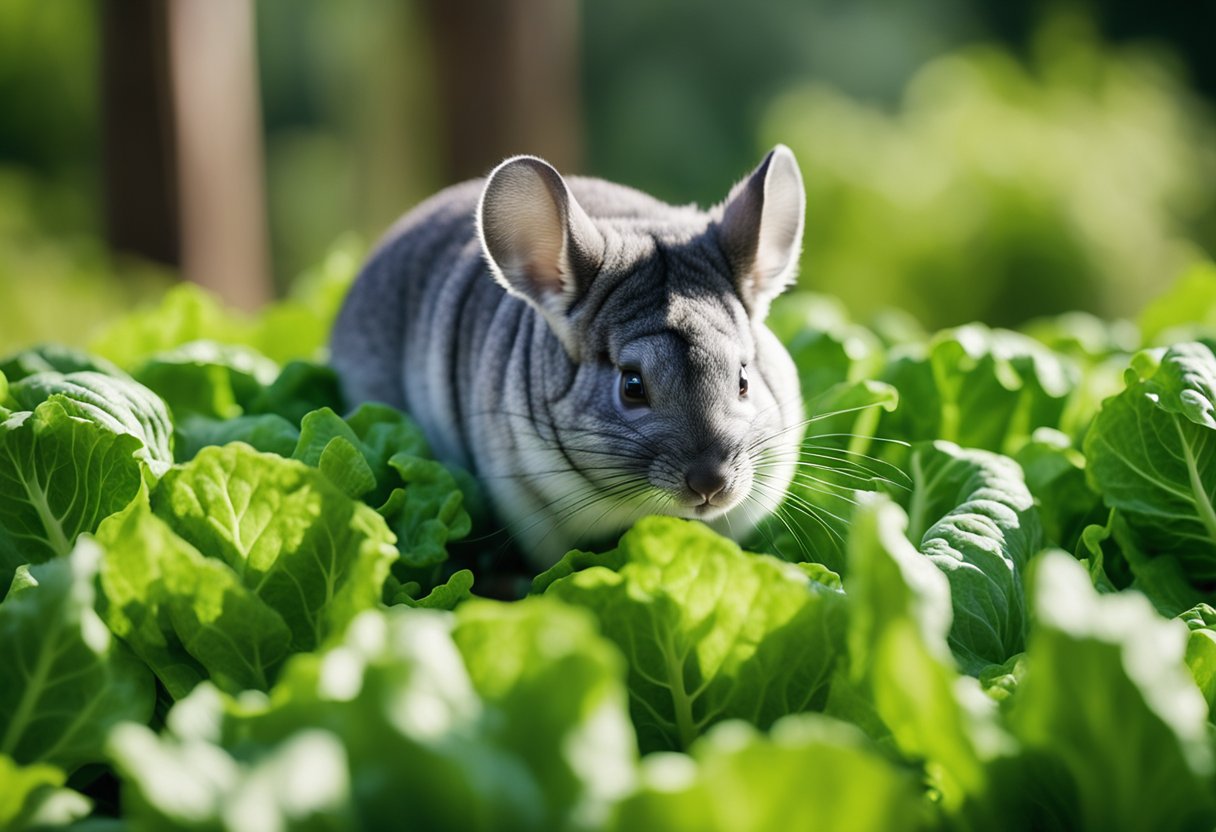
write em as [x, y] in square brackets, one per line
[1152, 455]
[60, 475]
[809, 772]
[65, 681]
[303, 547]
[426, 513]
[710, 631]
[446, 596]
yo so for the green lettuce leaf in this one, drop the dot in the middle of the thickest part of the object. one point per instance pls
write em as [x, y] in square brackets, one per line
[972, 516]
[204, 378]
[501, 717]
[65, 681]
[899, 621]
[120, 405]
[1055, 475]
[710, 631]
[60, 475]
[1108, 701]
[33, 797]
[810, 772]
[579, 745]
[265, 432]
[978, 387]
[445, 596]
[1201, 649]
[1152, 455]
[426, 513]
[54, 358]
[303, 547]
[187, 616]
[300, 388]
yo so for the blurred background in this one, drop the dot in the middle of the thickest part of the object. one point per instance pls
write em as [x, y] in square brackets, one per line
[965, 159]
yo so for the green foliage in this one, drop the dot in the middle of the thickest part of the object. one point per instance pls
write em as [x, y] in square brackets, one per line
[65, 679]
[709, 637]
[987, 193]
[270, 626]
[461, 721]
[1152, 455]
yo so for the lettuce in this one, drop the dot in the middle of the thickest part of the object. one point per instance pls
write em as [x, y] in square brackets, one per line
[1152, 455]
[65, 680]
[485, 719]
[710, 631]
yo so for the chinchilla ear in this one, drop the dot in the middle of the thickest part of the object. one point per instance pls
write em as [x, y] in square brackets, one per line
[540, 243]
[760, 230]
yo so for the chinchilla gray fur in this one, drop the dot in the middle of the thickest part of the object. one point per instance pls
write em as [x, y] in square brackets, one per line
[592, 354]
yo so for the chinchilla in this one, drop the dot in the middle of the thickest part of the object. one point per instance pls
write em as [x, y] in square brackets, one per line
[592, 354]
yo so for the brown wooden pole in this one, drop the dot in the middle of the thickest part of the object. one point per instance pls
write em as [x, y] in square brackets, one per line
[139, 160]
[508, 78]
[217, 112]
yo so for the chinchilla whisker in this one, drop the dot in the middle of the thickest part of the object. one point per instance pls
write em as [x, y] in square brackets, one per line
[792, 502]
[817, 417]
[579, 500]
[843, 435]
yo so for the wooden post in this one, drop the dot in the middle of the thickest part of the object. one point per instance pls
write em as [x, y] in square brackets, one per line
[507, 73]
[219, 148]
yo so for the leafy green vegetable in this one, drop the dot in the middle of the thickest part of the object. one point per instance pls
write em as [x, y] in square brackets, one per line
[1184, 312]
[426, 513]
[60, 475]
[710, 632]
[64, 681]
[117, 404]
[1201, 650]
[299, 389]
[265, 432]
[308, 551]
[189, 617]
[1137, 754]
[1152, 455]
[978, 387]
[810, 772]
[207, 379]
[54, 358]
[974, 519]
[446, 596]
[415, 711]
[900, 618]
[33, 797]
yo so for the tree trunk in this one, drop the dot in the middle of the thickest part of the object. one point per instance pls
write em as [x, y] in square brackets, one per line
[220, 157]
[508, 79]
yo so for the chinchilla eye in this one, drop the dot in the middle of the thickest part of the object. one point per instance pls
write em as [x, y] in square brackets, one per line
[742, 382]
[633, 389]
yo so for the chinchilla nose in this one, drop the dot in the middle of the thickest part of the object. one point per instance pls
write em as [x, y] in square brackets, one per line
[707, 479]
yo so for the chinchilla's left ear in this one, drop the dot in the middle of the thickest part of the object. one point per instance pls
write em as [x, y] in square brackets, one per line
[760, 230]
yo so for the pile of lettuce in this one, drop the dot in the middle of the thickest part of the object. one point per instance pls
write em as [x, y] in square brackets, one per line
[232, 602]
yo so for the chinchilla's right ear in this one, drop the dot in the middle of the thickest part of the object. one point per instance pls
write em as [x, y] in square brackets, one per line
[540, 243]
[760, 230]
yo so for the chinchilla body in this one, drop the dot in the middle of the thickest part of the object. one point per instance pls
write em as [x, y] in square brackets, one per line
[592, 354]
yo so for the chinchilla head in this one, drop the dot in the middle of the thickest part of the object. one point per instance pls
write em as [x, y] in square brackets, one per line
[666, 393]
